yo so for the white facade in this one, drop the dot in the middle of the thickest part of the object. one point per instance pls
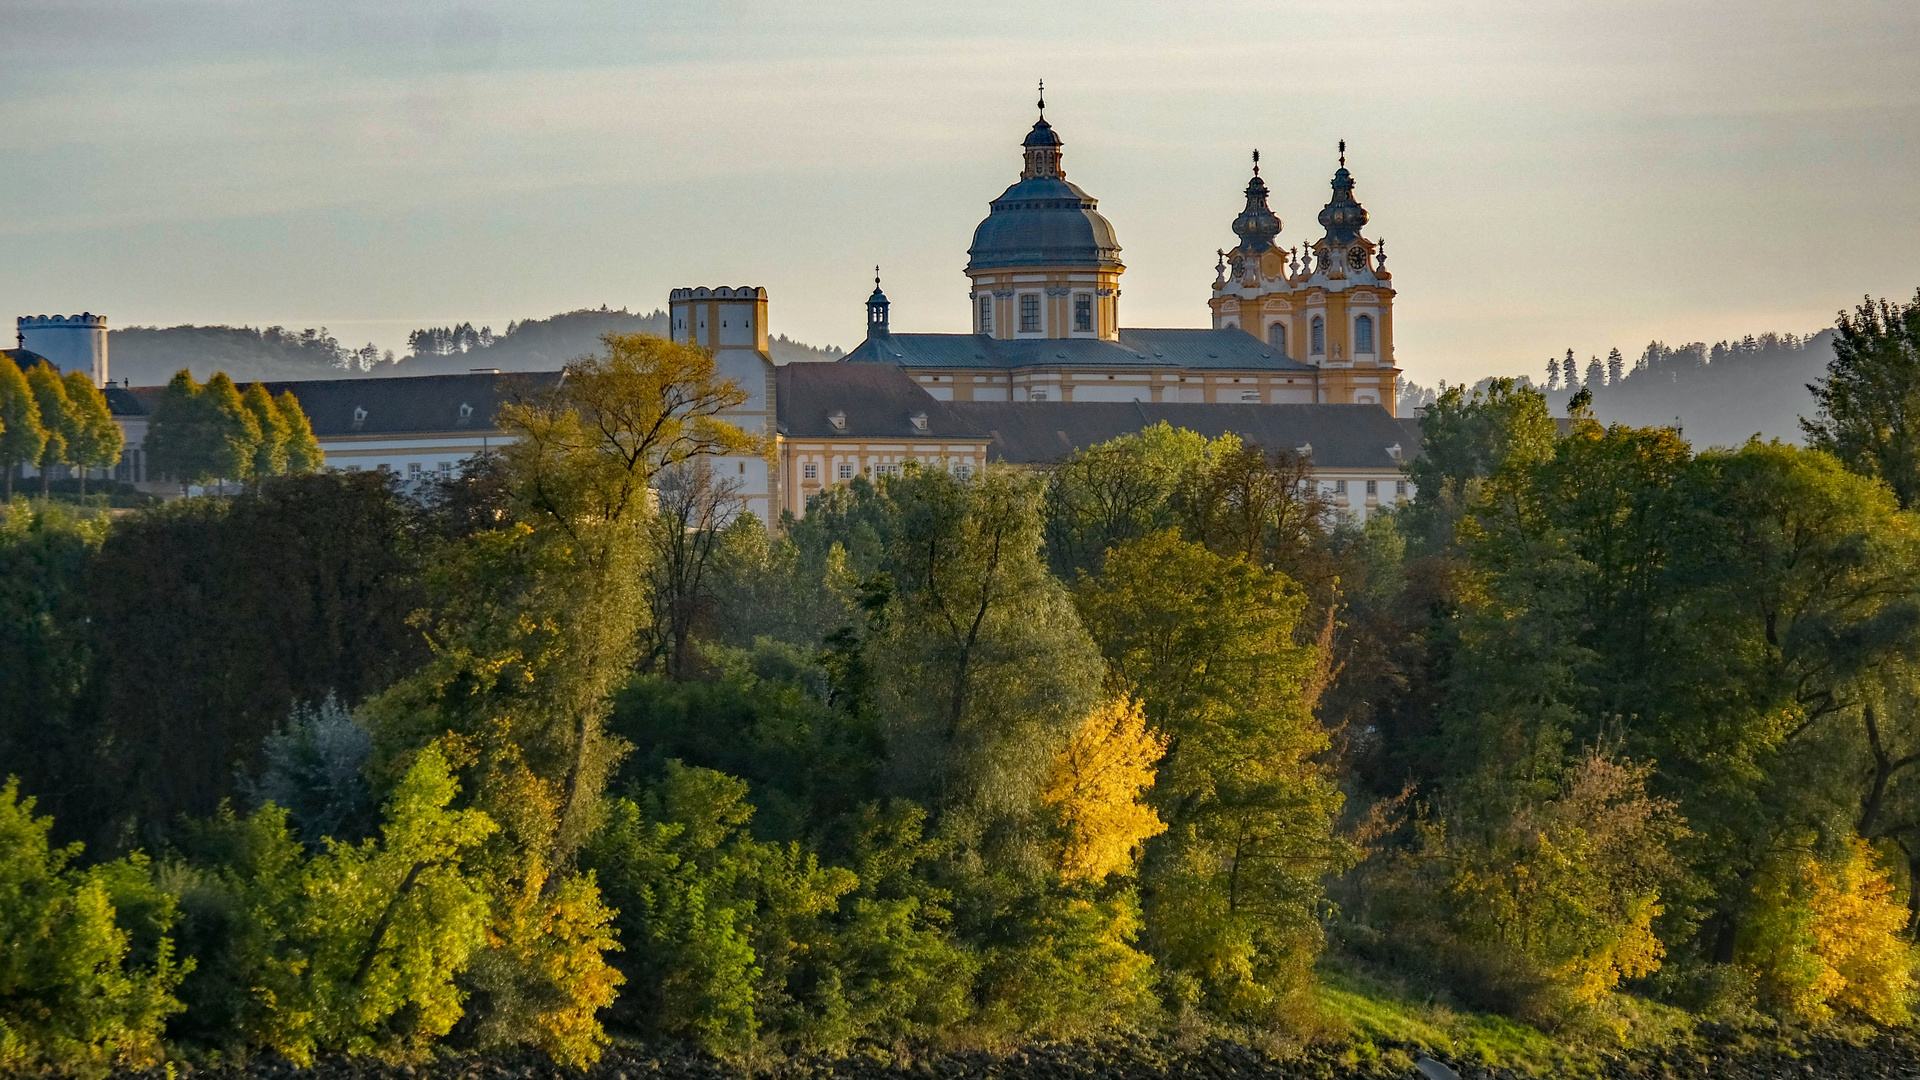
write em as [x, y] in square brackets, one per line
[69, 342]
[732, 322]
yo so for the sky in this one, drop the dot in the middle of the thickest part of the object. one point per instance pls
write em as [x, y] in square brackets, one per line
[1547, 175]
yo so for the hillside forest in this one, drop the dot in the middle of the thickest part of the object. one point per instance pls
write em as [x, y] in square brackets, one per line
[1599, 738]
[1718, 395]
[149, 355]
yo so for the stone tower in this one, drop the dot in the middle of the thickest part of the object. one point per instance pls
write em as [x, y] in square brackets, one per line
[69, 342]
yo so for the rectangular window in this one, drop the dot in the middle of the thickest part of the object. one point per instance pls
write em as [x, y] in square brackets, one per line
[353, 468]
[963, 470]
[886, 469]
[413, 470]
[1399, 487]
[810, 471]
[986, 314]
[1083, 314]
[1037, 395]
[1373, 487]
[1030, 313]
[1250, 395]
[1339, 487]
[846, 470]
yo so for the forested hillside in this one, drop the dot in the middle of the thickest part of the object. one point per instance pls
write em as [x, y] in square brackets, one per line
[1602, 752]
[149, 355]
[1718, 395]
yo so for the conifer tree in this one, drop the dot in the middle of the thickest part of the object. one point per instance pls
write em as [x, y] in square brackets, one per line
[1616, 366]
[1596, 375]
[22, 436]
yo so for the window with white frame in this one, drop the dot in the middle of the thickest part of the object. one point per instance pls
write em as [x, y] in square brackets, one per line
[1363, 334]
[1250, 395]
[846, 470]
[1083, 313]
[986, 314]
[1319, 336]
[1277, 336]
[1373, 487]
[1399, 487]
[1038, 393]
[964, 470]
[887, 468]
[810, 471]
[1030, 313]
[1339, 487]
[413, 470]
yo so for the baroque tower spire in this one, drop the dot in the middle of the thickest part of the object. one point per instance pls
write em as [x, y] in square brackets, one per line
[1257, 225]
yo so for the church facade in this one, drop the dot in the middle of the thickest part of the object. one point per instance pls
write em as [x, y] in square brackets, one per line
[1307, 325]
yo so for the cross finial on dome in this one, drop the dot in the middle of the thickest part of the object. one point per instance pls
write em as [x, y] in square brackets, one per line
[1043, 98]
[1256, 163]
[876, 275]
[1343, 153]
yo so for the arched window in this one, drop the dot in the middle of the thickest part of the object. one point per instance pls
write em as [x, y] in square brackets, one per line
[1319, 336]
[1363, 334]
[1277, 337]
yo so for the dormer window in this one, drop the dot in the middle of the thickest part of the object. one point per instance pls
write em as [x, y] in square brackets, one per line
[919, 421]
[466, 412]
[359, 417]
[838, 419]
[1394, 451]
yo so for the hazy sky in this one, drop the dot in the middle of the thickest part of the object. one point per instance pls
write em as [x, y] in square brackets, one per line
[1546, 174]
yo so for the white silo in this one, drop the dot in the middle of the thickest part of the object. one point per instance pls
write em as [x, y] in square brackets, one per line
[70, 342]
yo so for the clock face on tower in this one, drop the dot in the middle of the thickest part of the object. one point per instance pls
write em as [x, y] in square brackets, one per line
[1356, 258]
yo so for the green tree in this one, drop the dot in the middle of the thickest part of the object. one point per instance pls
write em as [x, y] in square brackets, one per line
[201, 433]
[535, 622]
[57, 416]
[1868, 405]
[46, 552]
[71, 997]
[209, 619]
[1233, 887]
[95, 441]
[22, 434]
[356, 949]
[1115, 491]
[303, 449]
[270, 452]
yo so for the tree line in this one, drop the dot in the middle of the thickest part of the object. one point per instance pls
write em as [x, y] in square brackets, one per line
[1598, 732]
[48, 420]
[203, 433]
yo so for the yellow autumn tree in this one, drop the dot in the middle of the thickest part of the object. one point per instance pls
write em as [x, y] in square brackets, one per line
[1095, 785]
[1830, 933]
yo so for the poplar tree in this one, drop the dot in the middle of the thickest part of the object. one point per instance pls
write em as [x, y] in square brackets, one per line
[96, 441]
[270, 452]
[56, 416]
[303, 450]
[22, 435]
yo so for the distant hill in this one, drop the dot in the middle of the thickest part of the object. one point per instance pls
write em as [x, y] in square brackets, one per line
[149, 355]
[1718, 395]
[547, 344]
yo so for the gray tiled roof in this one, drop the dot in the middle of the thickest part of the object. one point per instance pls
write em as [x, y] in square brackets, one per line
[879, 401]
[1036, 432]
[1229, 349]
[422, 404]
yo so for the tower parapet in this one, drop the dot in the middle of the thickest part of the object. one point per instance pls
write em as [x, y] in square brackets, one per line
[69, 342]
[731, 322]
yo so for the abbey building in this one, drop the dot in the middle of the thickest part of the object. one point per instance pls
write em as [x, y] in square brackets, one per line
[1312, 324]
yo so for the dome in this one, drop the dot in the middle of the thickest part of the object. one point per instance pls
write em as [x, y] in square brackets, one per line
[1043, 221]
[1257, 225]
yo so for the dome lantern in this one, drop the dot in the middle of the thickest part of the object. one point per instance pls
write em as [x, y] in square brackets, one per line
[877, 309]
